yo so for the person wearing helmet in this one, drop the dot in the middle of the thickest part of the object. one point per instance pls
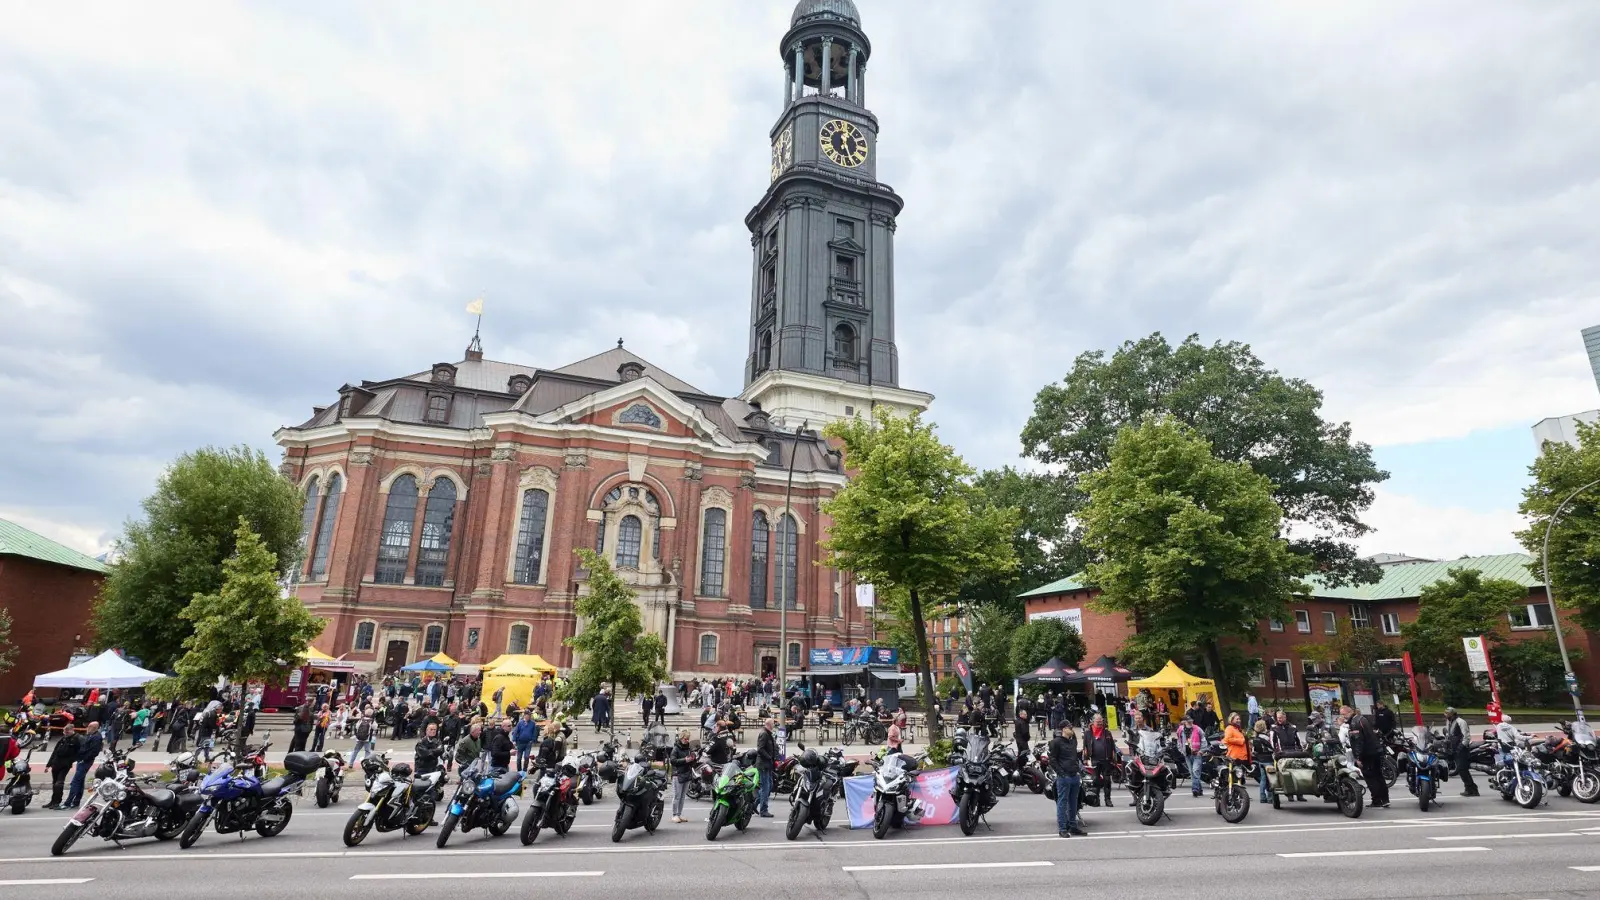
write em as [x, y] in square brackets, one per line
[1457, 744]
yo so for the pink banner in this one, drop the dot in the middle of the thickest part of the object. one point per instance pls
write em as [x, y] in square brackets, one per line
[931, 803]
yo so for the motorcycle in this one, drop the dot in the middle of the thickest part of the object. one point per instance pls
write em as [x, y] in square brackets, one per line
[554, 803]
[595, 770]
[1016, 770]
[1423, 767]
[121, 807]
[974, 790]
[330, 779]
[1395, 749]
[26, 728]
[783, 775]
[395, 800]
[1584, 758]
[19, 790]
[812, 797]
[891, 793]
[640, 795]
[1228, 791]
[1519, 776]
[240, 799]
[483, 799]
[733, 797]
[1151, 778]
[704, 783]
[1327, 770]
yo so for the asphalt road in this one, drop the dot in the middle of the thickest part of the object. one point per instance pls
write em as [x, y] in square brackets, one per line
[1465, 848]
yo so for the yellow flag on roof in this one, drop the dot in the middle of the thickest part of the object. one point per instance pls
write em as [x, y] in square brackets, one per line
[476, 307]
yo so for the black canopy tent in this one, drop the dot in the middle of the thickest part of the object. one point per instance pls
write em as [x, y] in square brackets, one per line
[1053, 672]
[1104, 669]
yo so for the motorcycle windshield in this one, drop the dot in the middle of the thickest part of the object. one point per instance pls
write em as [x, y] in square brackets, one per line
[631, 777]
[978, 749]
[1582, 733]
[1149, 743]
[1422, 737]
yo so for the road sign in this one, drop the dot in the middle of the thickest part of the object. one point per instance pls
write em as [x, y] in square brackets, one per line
[1477, 659]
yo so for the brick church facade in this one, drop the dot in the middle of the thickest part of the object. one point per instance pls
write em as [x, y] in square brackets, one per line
[443, 507]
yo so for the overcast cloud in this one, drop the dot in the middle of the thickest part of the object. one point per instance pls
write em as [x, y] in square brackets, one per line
[211, 216]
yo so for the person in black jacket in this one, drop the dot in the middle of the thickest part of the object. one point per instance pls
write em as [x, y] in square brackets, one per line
[1367, 746]
[552, 747]
[661, 707]
[683, 760]
[497, 741]
[766, 763]
[1383, 718]
[1457, 746]
[61, 760]
[1064, 760]
[1020, 731]
[1101, 747]
[88, 751]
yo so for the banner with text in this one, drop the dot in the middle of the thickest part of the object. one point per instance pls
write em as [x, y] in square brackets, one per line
[931, 803]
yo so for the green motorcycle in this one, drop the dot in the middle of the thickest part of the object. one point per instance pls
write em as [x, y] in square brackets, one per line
[733, 797]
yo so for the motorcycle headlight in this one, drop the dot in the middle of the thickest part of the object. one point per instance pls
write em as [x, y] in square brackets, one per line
[110, 790]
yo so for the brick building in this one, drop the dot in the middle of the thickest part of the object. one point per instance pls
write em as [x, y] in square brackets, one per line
[1385, 606]
[947, 639]
[49, 590]
[444, 507]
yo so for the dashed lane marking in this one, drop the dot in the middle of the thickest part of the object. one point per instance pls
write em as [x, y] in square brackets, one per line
[1395, 851]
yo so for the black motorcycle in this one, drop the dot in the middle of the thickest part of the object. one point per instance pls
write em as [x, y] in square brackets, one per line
[1016, 770]
[812, 799]
[595, 771]
[554, 804]
[1151, 777]
[122, 807]
[974, 790]
[330, 779]
[395, 800]
[19, 790]
[639, 796]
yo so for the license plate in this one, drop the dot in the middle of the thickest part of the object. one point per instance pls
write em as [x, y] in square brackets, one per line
[84, 815]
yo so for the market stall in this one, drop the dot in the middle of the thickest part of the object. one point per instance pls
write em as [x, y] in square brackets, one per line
[108, 670]
[517, 677]
[1176, 687]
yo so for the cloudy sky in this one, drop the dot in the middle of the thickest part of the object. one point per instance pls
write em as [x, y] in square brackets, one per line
[212, 215]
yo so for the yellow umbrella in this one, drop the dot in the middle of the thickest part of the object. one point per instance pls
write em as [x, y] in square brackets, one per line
[444, 660]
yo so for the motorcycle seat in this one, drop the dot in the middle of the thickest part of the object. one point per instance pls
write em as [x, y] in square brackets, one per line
[506, 782]
[274, 787]
[161, 798]
[1293, 754]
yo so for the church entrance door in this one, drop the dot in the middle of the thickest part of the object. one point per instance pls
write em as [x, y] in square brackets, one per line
[394, 656]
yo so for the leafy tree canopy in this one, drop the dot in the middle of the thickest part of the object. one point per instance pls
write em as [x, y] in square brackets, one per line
[1575, 541]
[8, 651]
[1042, 640]
[910, 519]
[989, 631]
[613, 646]
[1321, 478]
[1045, 540]
[1350, 650]
[1186, 543]
[1461, 605]
[178, 549]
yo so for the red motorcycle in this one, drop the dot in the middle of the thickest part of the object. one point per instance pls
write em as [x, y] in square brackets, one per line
[554, 803]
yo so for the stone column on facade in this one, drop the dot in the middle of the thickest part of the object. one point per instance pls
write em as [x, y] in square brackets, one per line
[861, 84]
[788, 84]
[489, 582]
[799, 70]
[418, 517]
[850, 76]
[826, 78]
[347, 553]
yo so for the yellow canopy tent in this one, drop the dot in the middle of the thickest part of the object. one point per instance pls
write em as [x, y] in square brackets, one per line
[444, 660]
[1177, 687]
[531, 660]
[517, 677]
[316, 659]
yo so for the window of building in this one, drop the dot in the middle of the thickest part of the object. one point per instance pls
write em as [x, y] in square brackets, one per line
[1302, 621]
[764, 352]
[1391, 623]
[1282, 674]
[438, 520]
[1308, 667]
[438, 409]
[758, 560]
[713, 550]
[530, 537]
[1360, 616]
[708, 649]
[1275, 624]
[844, 267]
[1258, 675]
[654, 506]
[364, 634]
[308, 520]
[788, 569]
[838, 594]
[330, 521]
[1534, 615]
[629, 533]
[1330, 623]
[794, 654]
[844, 343]
[394, 541]
[774, 454]
[844, 230]
[433, 639]
[517, 640]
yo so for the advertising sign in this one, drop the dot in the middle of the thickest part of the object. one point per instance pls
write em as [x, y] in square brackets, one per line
[1477, 659]
[855, 656]
[866, 597]
[931, 803]
[1073, 617]
[964, 670]
[1325, 696]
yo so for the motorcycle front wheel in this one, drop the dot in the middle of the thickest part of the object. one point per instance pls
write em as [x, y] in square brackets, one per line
[968, 814]
[446, 829]
[1528, 793]
[193, 830]
[1234, 804]
[356, 829]
[66, 839]
[1391, 770]
[882, 816]
[1350, 797]
[719, 817]
[1586, 787]
[1150, 805]
[1424, 794]
[797, 819]
[530, 824]
[620, 825]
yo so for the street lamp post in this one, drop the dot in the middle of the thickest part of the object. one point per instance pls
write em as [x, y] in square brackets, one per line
[1550, 597]
[783, 594]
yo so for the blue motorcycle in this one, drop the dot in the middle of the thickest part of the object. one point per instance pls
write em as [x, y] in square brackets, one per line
[485, 798]
[239, 799]
[1425, 771]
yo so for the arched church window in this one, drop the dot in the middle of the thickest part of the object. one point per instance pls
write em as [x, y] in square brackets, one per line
[530, 536]
[308, 520]
[788, 560]
[330, 519]
[764, 352]
[713, 552]
[758, 560]
[844, 343]
[629, 532]
[394, 541]
[438, 520]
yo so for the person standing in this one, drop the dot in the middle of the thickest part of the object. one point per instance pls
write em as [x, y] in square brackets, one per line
[1068, 766]
[683, 759]
[1102, 749]
[1019, 731]
[1367, 746]
[366, 734]
[62, 757]
[302, 727]
[1253, 707]
[601, 710]
[141, 720]
[1457, 741]
[1285, 741]
[766, 762]
[1190, 741]
[526, 732]
[499, 695]
[661, 707]
[646, 704]
[318, 734]
[88, 751]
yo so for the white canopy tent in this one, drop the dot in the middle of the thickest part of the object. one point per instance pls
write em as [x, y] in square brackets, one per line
[108, 670]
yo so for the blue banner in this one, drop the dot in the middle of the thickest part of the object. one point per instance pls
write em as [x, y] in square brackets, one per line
[931, 803]
[855, 656]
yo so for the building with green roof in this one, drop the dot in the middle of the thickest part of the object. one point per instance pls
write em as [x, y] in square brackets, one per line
[49, 589]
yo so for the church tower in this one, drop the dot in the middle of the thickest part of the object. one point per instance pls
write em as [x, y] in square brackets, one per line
[821, 342]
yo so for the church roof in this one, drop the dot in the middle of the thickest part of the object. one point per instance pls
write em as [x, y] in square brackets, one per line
[807, 10]
[604, 366]
[18, 541]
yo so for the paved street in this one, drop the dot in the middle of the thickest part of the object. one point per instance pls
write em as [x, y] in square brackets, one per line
[1481, 847]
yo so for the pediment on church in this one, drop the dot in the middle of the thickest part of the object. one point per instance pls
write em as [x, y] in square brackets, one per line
[846, 245]
[641, 406]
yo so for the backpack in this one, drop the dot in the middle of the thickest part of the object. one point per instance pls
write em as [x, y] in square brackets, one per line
[363, 730]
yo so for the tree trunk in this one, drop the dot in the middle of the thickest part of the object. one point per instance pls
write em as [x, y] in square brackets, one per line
[1215, 673]
[925, 669]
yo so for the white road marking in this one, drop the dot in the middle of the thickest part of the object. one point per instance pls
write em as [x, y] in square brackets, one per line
[32, 881]
[1585, 868]
[911, 867]
[395, 876]
[1507, 837]
[1399, 851]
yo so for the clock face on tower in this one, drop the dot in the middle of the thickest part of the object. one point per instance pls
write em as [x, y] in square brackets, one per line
[843, 144]
[782, 152]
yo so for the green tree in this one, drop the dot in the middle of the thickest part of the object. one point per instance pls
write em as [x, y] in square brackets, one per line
[1320, 477]
[1575, 541]
[1041, 640]
[1530, 673]
[1045, 540]
[1461, 605]
[178, 549]
[247, 630]
[893, 623]
[8, 651]
[909, 519]
[1351, 649]
[1187, 544]
[614, 648]
[988, 642]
